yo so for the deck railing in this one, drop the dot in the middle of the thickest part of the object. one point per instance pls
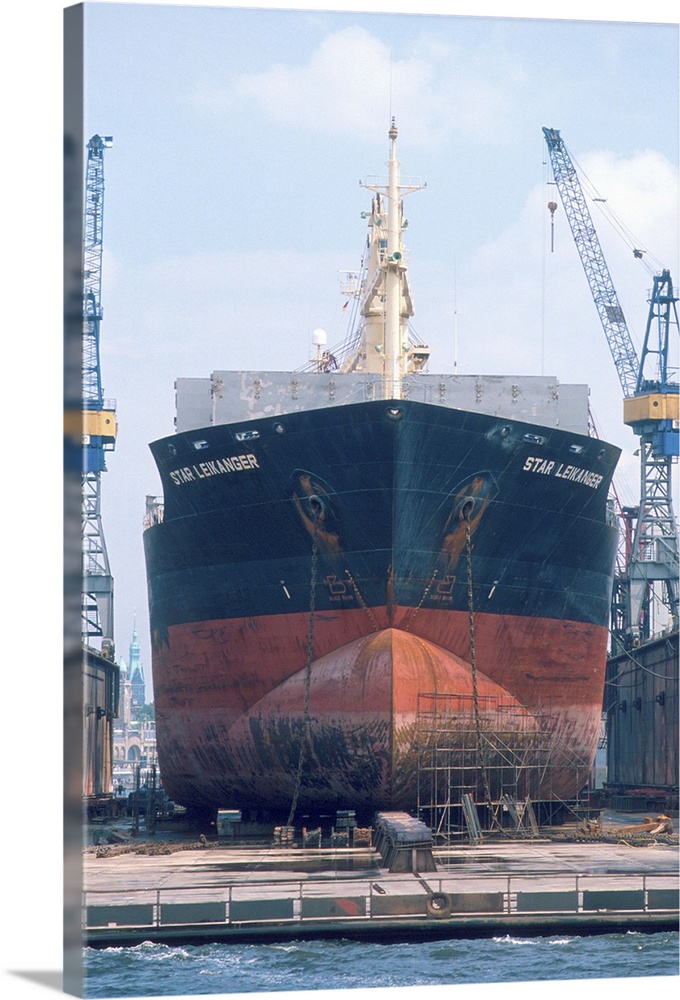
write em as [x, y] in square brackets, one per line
[446, 896]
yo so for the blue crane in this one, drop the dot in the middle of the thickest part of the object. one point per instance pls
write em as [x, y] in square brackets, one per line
[99, 417]
[650, 408]
[99, 421]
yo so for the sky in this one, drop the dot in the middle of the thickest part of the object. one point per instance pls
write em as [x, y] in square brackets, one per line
[232, 200]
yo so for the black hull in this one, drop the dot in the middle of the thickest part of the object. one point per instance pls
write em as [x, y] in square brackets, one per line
[383, 491]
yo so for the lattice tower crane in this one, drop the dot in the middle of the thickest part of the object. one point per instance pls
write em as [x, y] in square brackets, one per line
[650, 408]
[99, 417]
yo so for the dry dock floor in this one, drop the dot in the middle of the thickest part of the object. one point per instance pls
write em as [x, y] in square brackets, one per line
[246, 891]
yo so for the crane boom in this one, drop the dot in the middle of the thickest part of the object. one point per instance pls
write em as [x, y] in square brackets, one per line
[98, 416]
[593, 261]
[92, 270]
[99, 425]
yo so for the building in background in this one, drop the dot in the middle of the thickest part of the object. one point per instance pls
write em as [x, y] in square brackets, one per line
[134, 731]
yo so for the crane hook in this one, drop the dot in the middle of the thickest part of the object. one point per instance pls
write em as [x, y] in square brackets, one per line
[552, 205]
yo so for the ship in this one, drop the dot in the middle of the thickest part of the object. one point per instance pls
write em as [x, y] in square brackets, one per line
[376, 588]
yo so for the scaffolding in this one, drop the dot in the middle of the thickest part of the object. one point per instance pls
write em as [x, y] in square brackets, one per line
[477, 776]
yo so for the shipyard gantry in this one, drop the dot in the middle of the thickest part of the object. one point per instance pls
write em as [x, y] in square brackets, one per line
[98, 430]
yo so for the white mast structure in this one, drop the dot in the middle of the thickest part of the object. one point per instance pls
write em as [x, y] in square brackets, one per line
[387, 305]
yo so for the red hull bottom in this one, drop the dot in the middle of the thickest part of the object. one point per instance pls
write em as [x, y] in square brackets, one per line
[386, 709]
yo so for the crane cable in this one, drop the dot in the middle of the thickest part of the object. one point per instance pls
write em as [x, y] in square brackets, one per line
[306, 737]
[625, 234]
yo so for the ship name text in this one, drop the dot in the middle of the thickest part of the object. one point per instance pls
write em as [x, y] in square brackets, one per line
[575, 474]
[215, 467]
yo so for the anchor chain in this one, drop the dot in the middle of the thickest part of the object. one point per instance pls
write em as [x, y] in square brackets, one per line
[414, 611]
[306, 738]
[362, 602]
[473, 663]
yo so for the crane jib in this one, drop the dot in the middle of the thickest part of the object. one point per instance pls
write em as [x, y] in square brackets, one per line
[594, 263]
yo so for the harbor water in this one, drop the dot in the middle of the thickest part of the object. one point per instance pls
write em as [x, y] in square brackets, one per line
[158, 970]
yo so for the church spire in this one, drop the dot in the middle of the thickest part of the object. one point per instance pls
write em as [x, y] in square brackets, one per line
[136, 670]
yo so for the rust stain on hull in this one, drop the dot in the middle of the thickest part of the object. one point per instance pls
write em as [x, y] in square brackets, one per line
[232, 732]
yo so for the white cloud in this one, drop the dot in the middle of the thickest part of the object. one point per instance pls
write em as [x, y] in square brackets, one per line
[642, 192]
[352, 80]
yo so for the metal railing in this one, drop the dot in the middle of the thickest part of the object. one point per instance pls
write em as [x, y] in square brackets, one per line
[154, 515]
[447, 895]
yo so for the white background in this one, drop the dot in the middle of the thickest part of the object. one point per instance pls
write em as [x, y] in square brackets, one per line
[31, 468]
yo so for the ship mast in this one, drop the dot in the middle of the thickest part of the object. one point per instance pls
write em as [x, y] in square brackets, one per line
[393, 278]
[387, 305]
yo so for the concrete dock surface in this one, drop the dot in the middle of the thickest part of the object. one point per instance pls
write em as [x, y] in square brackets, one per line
[237, 890]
